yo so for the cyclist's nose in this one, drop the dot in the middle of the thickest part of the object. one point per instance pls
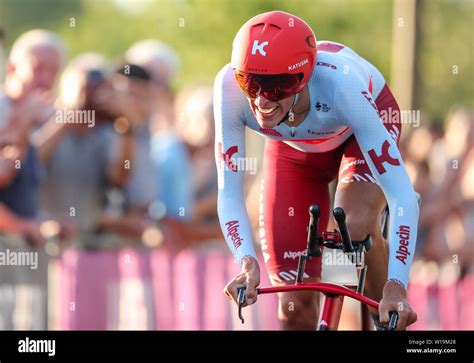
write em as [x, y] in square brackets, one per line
[262, 102]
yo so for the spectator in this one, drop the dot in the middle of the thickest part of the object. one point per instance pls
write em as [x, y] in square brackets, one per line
[169, 155]
[455, 152]
[440, 168]
[79, 189]
[33, 65]
[133, 84]
[163, 64]
[196, 127]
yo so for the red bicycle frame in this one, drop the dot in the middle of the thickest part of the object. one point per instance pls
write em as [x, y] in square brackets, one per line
[333, 301]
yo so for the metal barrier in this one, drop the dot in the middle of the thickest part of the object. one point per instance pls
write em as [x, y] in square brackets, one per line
[23, 285]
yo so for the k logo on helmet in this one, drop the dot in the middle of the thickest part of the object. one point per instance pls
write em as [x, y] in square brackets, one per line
[259, 47]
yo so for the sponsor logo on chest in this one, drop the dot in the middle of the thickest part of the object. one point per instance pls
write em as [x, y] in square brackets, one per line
[322, 107]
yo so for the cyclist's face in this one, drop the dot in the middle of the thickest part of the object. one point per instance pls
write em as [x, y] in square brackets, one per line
[269, 113]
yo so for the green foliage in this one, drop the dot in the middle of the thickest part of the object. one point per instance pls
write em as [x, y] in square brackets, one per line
[445, 61]
[202, 32]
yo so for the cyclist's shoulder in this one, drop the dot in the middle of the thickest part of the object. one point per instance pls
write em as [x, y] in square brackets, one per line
[338, 67]
[337, 52]
[228, 97]
[226, 87]
[336, 60]
[225, 77]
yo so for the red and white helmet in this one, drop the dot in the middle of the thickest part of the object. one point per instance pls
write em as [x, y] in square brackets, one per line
[275, 43]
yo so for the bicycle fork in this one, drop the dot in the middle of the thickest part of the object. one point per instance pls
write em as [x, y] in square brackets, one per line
[332, 306]
[331, 314]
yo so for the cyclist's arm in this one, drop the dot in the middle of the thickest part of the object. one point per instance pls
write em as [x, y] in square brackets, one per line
[384, 159]
[230, 145]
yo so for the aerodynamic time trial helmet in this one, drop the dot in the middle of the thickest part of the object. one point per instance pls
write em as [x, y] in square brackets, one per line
[273, 55]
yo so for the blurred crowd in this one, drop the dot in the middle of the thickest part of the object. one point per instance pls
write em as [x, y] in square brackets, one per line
[104, 149]
[440, 163]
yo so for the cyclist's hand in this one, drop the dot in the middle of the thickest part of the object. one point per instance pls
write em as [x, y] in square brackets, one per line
[249, 277]
[395, 299]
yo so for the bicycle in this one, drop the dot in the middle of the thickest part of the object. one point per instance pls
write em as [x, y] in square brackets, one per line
[333, 293]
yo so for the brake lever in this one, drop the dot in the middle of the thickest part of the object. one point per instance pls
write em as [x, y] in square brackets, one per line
[392, 324]
[240, 301]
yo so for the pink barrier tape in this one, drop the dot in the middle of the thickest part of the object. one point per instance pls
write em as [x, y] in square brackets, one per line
[85, 281]
[466, 302]
[267, 306]
[118, 300]
[67, 294]
[216, 309]
[136, 299]
[187, 277]
[418, 297]
[162, 285]
[430, 310]
[153, 289]
[448, 306]
[97, 273]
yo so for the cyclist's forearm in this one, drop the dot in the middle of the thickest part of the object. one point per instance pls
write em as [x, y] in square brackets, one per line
[402, 235]
[235, 226]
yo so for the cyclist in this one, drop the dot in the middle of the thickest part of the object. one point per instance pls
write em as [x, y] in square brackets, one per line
[325, 112]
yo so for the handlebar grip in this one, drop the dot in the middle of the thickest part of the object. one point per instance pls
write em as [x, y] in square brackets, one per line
[340, 217]
[392, 324]
[240, 301]
[314, 213]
